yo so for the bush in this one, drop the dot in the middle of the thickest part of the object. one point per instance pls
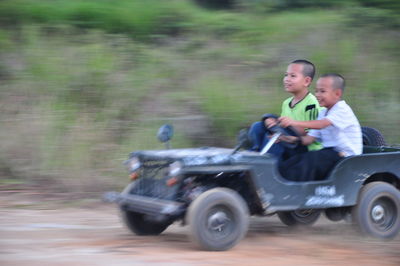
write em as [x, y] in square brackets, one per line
[216, 4]
[139, 19]
[373, 17]
[393, 5]
[280, 5]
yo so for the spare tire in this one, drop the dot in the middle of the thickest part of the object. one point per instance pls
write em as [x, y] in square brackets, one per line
[372, 137]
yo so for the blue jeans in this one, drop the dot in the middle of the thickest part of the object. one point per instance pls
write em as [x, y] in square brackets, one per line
[259, 136]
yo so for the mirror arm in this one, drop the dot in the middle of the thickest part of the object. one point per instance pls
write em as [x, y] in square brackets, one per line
[167, 145]
[237, 147]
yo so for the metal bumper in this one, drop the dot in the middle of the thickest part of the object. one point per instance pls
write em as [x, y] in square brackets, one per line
[146, 205]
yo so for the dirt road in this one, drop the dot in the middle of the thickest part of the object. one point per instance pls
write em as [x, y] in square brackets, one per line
[59, 230]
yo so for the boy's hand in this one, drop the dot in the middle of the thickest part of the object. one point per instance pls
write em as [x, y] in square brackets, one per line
[286, 121]
[270, 122]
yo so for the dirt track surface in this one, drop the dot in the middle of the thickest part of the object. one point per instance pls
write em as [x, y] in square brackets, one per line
[37, 229]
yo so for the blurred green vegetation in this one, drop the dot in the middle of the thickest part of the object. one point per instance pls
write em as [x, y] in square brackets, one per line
[83, 83]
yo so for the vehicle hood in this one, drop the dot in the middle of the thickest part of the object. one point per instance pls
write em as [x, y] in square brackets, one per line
[196, 156]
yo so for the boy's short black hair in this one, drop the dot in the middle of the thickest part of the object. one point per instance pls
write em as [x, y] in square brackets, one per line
[338, 81]
[308, 67]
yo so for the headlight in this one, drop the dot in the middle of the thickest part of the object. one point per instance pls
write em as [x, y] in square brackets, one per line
[175, 168]
[133, 164]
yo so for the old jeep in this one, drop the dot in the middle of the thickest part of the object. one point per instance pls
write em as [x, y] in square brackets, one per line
[214, 190]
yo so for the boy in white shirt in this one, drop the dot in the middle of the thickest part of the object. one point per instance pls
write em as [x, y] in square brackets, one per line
[337, 128]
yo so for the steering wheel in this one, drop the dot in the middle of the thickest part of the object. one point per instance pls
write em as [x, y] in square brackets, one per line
[288, 131]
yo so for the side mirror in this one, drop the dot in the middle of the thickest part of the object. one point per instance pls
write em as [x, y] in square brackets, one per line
[165, 133]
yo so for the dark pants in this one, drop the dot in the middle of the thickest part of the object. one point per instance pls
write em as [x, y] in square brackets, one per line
[309, 166]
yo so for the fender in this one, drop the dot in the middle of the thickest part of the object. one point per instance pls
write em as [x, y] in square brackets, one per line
[353, 172]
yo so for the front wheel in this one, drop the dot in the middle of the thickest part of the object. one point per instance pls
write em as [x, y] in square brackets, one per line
[139, 225]
[377, 210]
[218, 219]
[300, 217]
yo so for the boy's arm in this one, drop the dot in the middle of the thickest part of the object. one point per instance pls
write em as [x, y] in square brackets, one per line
[312, 124]
[270, 122]
[301, 130]
[305, 140]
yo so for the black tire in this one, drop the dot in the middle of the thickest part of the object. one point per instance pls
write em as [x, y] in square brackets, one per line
[218, 219]
[300, 217]
[137, 223]
[372, 137]
[377, 210]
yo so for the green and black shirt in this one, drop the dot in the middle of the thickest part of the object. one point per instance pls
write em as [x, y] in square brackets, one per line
[306, 109]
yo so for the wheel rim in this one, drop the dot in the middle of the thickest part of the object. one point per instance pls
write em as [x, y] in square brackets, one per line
[378, 213]
[220, 222]
[383, 214]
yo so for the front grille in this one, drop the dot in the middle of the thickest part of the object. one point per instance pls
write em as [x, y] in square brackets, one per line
[152, 181]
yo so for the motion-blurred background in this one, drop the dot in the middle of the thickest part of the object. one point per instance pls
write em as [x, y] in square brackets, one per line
[85, 82]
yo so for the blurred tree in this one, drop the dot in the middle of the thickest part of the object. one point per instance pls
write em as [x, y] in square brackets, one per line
[393, 5]
[305, 3]
[272, 5]
[216, 4]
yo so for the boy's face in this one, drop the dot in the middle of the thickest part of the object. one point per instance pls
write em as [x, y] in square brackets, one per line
[294, 80]
[326, 95]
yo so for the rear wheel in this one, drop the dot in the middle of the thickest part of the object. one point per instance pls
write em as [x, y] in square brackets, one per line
[141, 226]
[299, 217]
[218, 219]
[377, 210]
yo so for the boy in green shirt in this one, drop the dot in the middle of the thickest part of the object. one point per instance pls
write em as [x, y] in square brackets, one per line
[301, 106]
